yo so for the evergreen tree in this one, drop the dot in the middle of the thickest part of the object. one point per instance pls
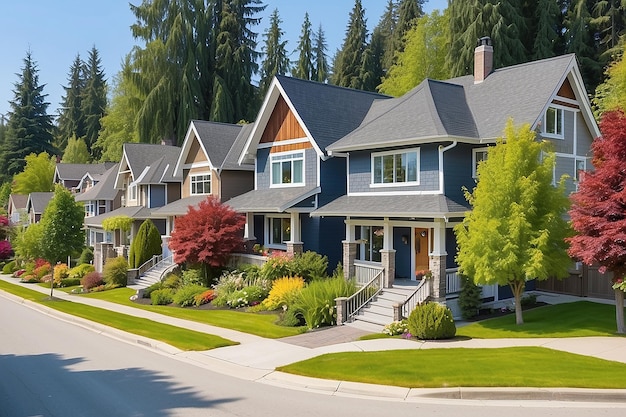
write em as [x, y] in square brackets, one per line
[371, 69]
[348, 63]
[581, 42]
[146, 244]
[30, 128]
[320, 72]
[547, 16]
[385, 29]
[276, 61]
[304, 66]
[71, 120]
[408, 12]
[609, 19]
[94, 99]
[503, 21]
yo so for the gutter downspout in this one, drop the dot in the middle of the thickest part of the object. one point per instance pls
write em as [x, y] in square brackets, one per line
[443, 149]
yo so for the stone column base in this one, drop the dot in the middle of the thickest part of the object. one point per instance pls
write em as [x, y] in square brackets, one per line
[388, 260]
[294, 247]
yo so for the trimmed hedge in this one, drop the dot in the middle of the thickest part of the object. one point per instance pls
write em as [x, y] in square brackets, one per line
[431, 321]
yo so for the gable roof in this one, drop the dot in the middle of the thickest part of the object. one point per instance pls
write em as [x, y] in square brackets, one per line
[104, 189]
[326, 112]
[149, 163]
[231, 160]
[18, 201]
[460, 109]
[38, 201]
[77, 171]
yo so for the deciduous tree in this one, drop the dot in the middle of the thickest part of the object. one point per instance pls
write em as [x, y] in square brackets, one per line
[76, 152]
[611, 94]
[597, 212]
[207, 234]
[516, 229]
[37, 175]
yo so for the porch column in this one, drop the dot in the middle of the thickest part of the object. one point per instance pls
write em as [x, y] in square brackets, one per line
[437, 262]
[388, 255]
[249, 240]
[349, 251]
[295, 245]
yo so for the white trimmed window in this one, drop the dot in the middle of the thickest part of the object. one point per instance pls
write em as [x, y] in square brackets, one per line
[89, 209]
[581, 165]
[132, 192]
[200, 184]
[287, 169]
[279, 230]
[478, 155]
[553, 124]
[370, 240]
[395, 167]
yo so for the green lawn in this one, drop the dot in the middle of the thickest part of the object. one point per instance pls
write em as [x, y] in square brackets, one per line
[263, 325]
[176, 336]
[578, 319]
[437, 368]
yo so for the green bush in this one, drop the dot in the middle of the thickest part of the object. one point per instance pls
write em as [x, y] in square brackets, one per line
[70, 282]
[278, 265]
[147, 291]
[162, 297]
[469, 298]
[145, 245]
[193, 276]
[528, 300]
[86, 256]
[309, 265]
[236, 281]
[431, 321]
[171, 280]
[9, 268]
[186, 295]
[81, 270]
[115, 272]
[247, 296]
[316, 302]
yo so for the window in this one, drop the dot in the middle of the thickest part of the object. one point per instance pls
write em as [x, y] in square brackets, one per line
[132, 192]
[395, 168]
[478, 155]
[370, 240]
[580, 166]
[89, 208]
[102, 206]
[288, 169]
[553, 125]
[201, 184]
[280, 230]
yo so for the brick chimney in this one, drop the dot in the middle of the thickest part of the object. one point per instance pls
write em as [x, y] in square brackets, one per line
[483, 59]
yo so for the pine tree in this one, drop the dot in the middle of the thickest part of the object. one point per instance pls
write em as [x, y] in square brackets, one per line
[609, 17]
[408, 12]
[30, 128]
[348, 62]
[547, 15]
[581, 42]
[94, 99]
[276, 61]
[385, 29]
[320, 72]
[371, 69]
[304, 66]
[71, 120]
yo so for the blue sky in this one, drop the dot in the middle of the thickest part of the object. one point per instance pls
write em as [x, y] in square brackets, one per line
[55, 31]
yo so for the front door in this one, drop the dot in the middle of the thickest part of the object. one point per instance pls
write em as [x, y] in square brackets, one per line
[421, 250]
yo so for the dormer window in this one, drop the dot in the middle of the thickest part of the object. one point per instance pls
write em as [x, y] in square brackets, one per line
[553, 126]
[287, 169]
[395, 168]
[200, 184]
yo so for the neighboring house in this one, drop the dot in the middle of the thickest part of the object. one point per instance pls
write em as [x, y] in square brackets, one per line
[208, 166]
[410, 157]
[36, 204]
[99, 198]
[293, 174]
[72, 175]
[17, 213]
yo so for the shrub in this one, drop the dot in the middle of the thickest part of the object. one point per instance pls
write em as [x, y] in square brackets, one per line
[396, 328]
[277, 266]
[204, 298]
[193, 276]
[469, 298]
[234, 281]
[284, 292]
[115, 272]
[185, 295]
[162, 297]
[145, 245]
[250, 295]
[5, 249]
[86, 256]
[80, 271]
[316, 302]
[9, 268]
[61, 271]
[91, 280]
[309, 265]
[172, 281]
[528, 300]
[69, 282]
[431, 321]
[42, 270]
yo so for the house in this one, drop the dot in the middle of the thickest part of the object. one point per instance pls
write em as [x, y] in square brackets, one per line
[16, 210]
[208, 166]
[36, 204]
[72, 175]
[410, 157]
[293, 173]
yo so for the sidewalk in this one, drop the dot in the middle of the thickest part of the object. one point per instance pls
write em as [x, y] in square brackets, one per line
[256, 358]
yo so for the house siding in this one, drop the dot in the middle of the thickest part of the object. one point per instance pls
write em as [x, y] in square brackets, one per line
[324, 236]
[186, 189]
[457, 168]
[264, 168]
[235, 183]
[156, 195]
[333, 179]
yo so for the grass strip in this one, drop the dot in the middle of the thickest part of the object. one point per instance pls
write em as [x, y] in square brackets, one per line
[260, 324]
[463, 367]
[577, 319]
[175, 336]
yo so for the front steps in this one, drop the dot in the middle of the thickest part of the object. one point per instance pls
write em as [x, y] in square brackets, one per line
[151, 276]
[379, 312]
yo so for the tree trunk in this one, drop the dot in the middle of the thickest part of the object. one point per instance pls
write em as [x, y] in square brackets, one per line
[518, 289]
[619, 311]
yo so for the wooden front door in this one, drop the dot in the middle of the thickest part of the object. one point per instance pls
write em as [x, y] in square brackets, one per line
[421, 250]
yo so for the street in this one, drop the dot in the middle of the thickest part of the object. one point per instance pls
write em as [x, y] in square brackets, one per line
[49, 367]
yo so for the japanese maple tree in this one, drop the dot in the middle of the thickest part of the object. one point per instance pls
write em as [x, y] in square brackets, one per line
[598, 209]
[207, 234]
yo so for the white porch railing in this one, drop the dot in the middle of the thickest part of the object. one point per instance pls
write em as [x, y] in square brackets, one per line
[365, 271]
[419, 296]
[348, 307]
[453, 281]
[150, 263]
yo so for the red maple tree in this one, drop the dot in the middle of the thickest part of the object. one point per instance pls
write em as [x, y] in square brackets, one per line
[207, 234]
[598, 209]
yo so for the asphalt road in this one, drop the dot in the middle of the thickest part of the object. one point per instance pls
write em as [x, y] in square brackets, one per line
[52, 368]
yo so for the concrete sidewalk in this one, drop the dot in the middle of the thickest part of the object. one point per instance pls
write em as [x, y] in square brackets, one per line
[256, 358]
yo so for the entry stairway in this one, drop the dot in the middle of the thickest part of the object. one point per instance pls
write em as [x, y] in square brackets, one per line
[379, 311]
[153, 275]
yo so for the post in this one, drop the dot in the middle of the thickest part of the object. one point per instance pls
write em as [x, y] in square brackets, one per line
[342, 310]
